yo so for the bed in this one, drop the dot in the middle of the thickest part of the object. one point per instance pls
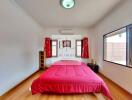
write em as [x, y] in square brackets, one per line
[67, 77]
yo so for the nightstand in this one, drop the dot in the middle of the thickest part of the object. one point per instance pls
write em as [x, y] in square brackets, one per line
[94, 67]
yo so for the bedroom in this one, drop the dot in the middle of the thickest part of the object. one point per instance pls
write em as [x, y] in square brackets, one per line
[26, 23]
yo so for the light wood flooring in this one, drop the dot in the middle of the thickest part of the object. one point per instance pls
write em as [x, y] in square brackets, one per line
[21, 92]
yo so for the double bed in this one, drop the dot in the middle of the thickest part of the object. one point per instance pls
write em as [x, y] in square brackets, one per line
[69, 77]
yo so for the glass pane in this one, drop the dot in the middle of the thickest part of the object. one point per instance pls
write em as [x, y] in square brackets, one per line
[54, 52]
[78, 50]
[78, 42]
[54, 43]
[115, 48]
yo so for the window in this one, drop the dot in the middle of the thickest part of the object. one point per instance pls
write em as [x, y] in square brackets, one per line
[54, 48]
[78, 48]
[117, 46]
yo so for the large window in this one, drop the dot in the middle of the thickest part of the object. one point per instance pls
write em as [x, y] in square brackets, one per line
[78, 48]
[117, 46]
[54, 48]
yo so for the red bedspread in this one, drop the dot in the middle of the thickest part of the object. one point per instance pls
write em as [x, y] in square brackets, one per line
[69, 77]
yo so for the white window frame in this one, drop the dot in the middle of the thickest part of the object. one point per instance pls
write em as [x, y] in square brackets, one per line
[80, 45]
[56, 46]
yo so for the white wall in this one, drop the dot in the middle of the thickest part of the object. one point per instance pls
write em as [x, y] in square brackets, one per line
[84, 32]
[19, 45]
[119, 17]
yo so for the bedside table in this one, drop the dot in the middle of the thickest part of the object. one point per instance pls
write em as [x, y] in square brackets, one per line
[94, 67]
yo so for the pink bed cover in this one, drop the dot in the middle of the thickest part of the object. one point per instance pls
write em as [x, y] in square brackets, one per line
[69, 76]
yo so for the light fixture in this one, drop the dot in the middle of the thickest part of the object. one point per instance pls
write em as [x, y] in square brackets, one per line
[67, 3]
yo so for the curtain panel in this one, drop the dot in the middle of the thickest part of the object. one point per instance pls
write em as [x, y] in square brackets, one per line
[48, 48]
[85, 48]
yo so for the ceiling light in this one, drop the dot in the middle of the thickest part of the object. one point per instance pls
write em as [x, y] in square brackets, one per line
[67, 3]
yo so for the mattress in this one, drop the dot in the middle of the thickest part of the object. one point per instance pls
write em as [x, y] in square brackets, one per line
[69, 77]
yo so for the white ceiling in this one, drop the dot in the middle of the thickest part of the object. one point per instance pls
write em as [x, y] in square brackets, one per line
[85, 13]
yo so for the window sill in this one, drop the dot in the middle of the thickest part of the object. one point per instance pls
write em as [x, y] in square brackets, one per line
[117, 63]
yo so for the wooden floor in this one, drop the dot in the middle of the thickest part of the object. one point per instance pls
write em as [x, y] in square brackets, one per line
[21, 92]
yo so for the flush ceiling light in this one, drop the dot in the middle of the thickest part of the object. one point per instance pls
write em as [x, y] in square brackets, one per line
[67, 3]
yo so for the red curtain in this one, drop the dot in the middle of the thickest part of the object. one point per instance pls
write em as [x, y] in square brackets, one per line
[48, 48]
[85, 48]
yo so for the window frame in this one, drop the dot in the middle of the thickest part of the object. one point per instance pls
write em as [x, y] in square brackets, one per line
[126, 47]
[76, 48]
[56, 47]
